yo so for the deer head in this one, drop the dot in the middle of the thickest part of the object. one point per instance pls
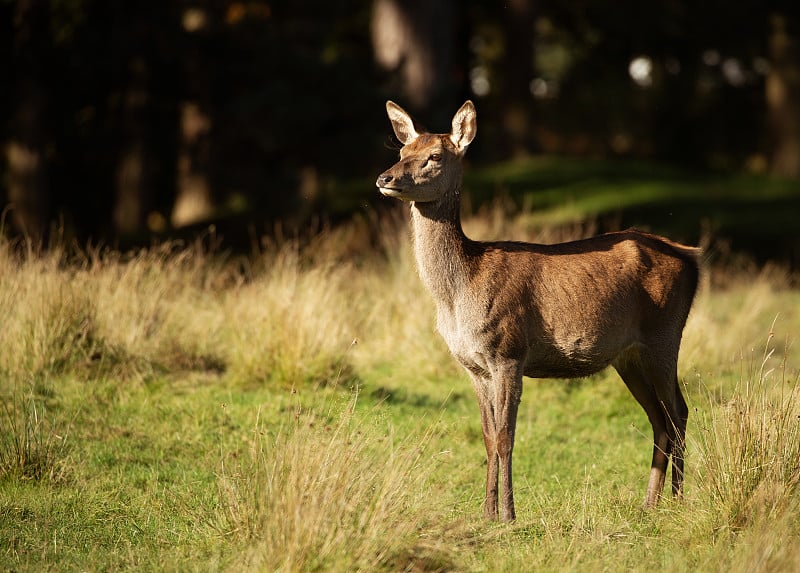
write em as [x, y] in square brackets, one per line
[430, 164]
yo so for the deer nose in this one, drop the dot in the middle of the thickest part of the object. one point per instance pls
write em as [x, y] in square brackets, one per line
[383, 180]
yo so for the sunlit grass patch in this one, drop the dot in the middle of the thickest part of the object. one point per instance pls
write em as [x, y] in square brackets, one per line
[726, 324]
[333, 494]
[292, 323]
[748, 446]
[101, 312]
[160, 308]
[49, 321]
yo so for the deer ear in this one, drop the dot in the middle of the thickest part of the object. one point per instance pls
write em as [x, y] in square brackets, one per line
[402, 123]
[465, 126]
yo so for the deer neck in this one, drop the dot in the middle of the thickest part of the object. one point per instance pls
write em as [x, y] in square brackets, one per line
[440, 246]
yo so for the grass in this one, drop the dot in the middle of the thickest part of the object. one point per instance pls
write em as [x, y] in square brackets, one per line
[29, 446]
[361, 508]
[179, 409]
[751, 446]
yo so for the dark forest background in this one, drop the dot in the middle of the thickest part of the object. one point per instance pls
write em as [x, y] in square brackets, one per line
[124, 120]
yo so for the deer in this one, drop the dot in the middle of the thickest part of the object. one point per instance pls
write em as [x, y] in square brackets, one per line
[566, 310]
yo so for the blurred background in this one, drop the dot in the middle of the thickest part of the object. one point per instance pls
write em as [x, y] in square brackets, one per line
[125, 121]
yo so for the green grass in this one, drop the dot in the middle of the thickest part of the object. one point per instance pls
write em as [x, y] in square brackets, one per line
[180, 410]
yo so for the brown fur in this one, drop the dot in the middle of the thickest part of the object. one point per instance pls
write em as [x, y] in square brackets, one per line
[508, 309]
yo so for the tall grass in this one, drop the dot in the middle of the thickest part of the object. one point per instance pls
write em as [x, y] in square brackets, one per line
[748, 446]
[159, 308]
[105, 312]
[292, 322]
[31, 447]
[47, 320]
[727, 320]
[173, 308]
[337, 494]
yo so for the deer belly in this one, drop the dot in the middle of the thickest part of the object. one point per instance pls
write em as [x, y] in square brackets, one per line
[570, 357]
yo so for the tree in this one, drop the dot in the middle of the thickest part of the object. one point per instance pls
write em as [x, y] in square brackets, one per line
[26, 153]
[143, 46]
[518, 72]
[416, 40]
[193, 194]
[783, 96]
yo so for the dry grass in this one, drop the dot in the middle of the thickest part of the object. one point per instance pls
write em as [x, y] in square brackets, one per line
[105, 313]
[293, 321]
[748, 460]
[333, 494]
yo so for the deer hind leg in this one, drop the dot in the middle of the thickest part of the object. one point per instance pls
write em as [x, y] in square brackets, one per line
[633, 373]
[662, 370]
[679, 445]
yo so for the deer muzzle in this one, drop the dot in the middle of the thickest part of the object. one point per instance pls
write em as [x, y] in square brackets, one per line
[384, 184]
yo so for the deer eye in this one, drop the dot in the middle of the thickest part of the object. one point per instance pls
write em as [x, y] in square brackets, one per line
[435, 157]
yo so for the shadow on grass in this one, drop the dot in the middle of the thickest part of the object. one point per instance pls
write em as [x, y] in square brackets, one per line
[389, 395]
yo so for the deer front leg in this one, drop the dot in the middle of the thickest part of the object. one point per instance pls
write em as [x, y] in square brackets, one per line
[481, 384]
[492, 466]
[508, 392]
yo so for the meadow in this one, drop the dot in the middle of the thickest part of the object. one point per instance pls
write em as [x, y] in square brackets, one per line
[182, 408]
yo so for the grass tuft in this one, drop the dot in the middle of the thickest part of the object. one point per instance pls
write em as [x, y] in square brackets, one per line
[292, 323]
[31, 448]
[748, 447]
[339, 496]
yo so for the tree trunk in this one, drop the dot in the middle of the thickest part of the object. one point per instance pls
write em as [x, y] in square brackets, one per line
[783, 97]
[28, 190]
[416, 39]
[134, 173]
[518, 72]
[194, 199]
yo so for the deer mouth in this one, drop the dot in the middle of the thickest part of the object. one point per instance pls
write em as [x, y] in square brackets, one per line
[391, 191]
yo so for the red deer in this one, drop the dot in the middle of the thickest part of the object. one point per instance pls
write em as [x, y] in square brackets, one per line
[511, 309]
